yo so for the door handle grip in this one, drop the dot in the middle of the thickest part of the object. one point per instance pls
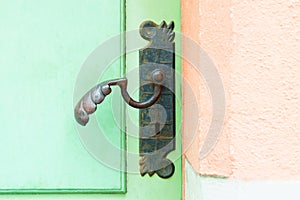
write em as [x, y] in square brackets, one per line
[88, 103]
[157, 119]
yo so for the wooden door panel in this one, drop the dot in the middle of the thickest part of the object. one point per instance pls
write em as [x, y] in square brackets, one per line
[43, 45]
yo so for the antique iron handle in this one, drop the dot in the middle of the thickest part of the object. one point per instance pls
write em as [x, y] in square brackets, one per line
[88, 103]
[157, 132]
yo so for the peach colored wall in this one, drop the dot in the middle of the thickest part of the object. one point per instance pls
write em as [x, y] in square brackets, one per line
[256, 47]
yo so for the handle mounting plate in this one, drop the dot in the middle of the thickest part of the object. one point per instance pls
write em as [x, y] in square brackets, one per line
[157, 123]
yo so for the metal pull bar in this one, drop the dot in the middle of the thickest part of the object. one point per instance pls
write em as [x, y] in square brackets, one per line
[88, 103]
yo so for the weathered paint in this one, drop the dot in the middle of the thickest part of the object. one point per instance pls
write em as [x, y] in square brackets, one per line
[255, 46]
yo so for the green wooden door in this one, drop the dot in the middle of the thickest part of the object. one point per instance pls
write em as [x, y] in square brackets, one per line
[44, 45]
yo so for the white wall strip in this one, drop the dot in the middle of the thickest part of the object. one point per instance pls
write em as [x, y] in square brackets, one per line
[212, 188]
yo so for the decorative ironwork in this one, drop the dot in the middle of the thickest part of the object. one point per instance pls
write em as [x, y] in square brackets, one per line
[157, 123]
[157, 99]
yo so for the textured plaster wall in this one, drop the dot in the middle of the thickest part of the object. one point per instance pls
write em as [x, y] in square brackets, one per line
[256, 47]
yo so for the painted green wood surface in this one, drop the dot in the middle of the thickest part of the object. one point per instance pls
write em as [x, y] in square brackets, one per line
[137, 187]
[43, 45]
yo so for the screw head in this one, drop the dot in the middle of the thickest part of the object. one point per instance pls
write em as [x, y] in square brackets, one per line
[158, 76]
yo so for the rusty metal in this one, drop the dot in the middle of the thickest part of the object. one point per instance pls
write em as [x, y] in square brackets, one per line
[157, 123]
[157, 99]
[88, 103]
